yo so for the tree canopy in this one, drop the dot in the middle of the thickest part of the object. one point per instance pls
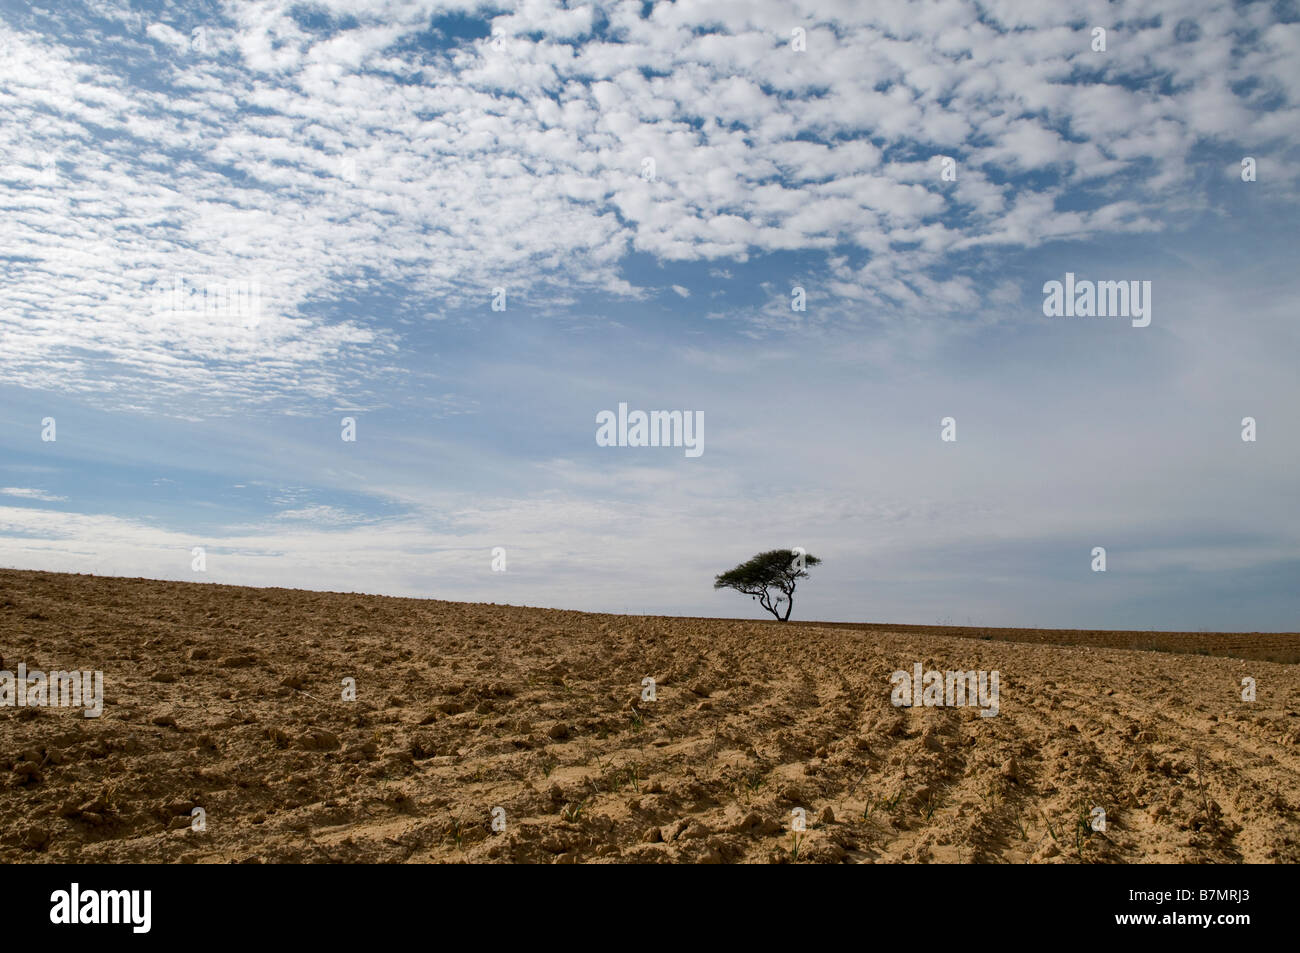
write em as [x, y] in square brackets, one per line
[769, 578]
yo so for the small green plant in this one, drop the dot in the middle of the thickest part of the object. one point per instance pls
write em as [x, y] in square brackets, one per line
[1082, 830]
[990, 797]
[795, 841]
[1020, 825]
[624, 777]
[746, 783]
[457, 833]
[573, 812]
[891, 804]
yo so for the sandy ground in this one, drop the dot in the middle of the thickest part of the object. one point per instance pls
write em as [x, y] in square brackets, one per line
[230, 700]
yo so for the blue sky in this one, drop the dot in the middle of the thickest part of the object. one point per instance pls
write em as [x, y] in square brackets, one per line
[375, 170]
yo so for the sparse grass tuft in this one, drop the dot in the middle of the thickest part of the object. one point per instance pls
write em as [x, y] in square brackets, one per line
[573, 812]
[795, 841]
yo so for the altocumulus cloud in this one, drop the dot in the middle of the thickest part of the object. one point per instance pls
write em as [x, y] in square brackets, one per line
[329, 149]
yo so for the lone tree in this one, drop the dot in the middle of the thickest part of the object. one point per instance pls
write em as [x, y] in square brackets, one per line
[776, 569]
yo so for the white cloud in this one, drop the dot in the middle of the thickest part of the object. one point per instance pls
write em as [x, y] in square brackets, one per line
[320, 515]
[299, 160]
[30, 494]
